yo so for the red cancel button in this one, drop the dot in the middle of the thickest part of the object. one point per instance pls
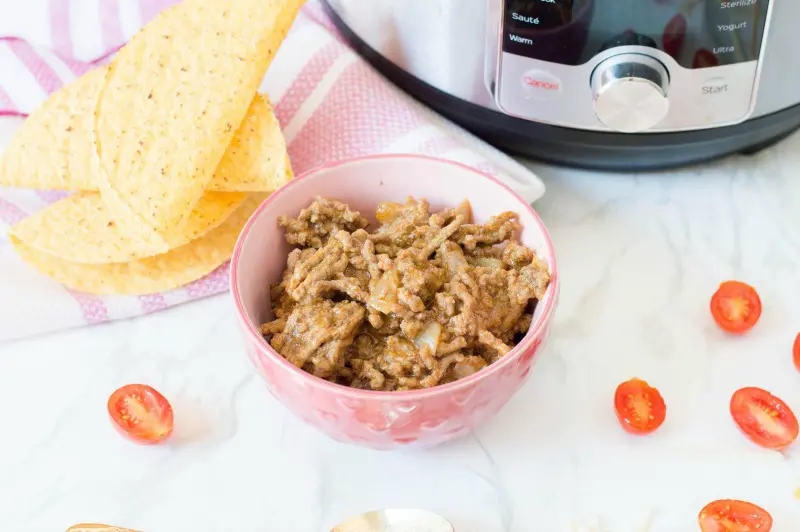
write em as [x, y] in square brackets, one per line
[541, 85]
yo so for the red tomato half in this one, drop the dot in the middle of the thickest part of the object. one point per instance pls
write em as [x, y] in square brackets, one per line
[141, 413]
[704, 59]
[796, 352]
[764, 418]
[674, 35]
[734, 516]
[736, 306]
[639, 407]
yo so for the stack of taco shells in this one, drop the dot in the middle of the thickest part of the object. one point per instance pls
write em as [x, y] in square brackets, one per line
[169, 148]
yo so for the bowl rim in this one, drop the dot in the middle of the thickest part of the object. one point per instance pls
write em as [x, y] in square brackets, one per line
[534, 332]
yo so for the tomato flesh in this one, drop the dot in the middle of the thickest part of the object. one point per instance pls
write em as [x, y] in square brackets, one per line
[639, 407]
[764, 418]
[674, 35]
[734, 516]
[141, 413]
[796, 352]
[736, 306]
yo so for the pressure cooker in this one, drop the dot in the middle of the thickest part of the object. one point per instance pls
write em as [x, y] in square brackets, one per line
[605, 84]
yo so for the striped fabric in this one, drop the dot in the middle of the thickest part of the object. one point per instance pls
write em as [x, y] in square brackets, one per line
[331, 104]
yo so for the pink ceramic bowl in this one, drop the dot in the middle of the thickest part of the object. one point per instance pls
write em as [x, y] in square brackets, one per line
[384, 420]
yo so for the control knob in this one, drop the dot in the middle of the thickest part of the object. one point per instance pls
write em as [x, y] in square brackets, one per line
[630, 92]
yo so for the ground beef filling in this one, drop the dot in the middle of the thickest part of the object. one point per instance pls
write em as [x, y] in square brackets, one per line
[426, 299]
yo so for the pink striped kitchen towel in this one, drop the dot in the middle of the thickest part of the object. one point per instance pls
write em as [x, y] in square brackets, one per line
[331, 104]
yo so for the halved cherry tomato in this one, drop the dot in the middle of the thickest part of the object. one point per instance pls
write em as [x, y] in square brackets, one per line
[674, 35]
[734, 516]
[141, 413]
[704, 59]
[736, 306]
[639, 407]
[796, 352]
[764, 418]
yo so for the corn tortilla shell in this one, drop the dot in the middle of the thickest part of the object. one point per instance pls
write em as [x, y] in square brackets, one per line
[81, 229]
[52, 150]
[146, 276]
[256, 159]
[173, 99]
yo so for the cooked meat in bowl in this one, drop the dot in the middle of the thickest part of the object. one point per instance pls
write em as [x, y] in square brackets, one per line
[423, 299]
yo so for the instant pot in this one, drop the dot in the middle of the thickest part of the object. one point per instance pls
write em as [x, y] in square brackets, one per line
[607, 84]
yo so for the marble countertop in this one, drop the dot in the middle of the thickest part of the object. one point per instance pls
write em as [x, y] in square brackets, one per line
[640, 255]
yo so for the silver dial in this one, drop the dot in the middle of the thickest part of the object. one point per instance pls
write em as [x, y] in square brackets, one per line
[630, 92]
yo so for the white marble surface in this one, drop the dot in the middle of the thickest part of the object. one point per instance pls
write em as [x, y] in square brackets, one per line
[640, 256]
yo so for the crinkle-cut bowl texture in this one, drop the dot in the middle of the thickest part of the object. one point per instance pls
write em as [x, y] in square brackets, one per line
[384, 420]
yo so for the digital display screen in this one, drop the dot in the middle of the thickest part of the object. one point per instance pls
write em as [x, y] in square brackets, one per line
[697, 33]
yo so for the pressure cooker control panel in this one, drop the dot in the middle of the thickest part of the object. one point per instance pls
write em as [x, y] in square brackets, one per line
[629, 65]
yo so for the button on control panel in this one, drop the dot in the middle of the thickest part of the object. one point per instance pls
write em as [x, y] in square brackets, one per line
[630, 92]
[718, 87]
[720, 97]
[541, 85]
[558, 62]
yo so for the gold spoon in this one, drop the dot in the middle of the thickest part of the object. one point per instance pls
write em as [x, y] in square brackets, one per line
[395, 520]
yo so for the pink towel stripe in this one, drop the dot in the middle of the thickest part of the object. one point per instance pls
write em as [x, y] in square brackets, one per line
[92, 307]
[10, 213]
[60, 29]
[46, 76]
[79, 68]
[7, 105]
[308, 80]
[213, 283]
[112, 25]
[52, 196]
[152, 303]
[151, 8]
[370, 115]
